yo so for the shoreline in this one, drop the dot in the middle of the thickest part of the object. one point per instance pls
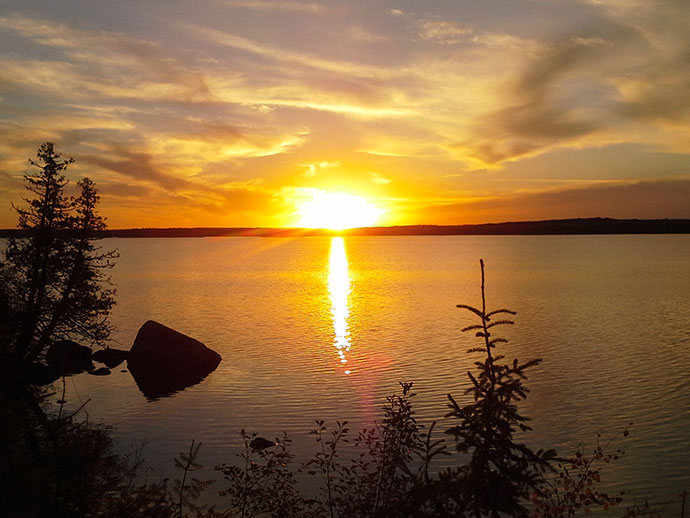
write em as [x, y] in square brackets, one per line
[576, 226]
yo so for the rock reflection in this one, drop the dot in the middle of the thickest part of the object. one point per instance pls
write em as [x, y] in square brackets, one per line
[339, 290]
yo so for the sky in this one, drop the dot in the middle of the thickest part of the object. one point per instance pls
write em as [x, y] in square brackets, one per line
[237, 113]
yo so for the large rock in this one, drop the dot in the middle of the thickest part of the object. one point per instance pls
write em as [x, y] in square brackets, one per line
[163, 361]
[69, 357]
[110, 357]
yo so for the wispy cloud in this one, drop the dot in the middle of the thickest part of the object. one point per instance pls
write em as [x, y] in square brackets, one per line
[362, 34]
[377, 178]
[278, 54]
[283, 5]
[140, 166]
[313, 169]
[135, 68]
[597, 85]
[310, 82]
[444, 32]
[560, 96]
[451, 33]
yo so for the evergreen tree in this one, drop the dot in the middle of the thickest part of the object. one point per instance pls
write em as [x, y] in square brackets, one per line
[52, 278]
[501, 472]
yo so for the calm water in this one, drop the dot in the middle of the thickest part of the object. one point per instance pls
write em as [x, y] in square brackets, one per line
[321, 328]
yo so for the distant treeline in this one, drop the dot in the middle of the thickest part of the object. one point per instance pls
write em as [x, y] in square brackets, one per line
[549, 227]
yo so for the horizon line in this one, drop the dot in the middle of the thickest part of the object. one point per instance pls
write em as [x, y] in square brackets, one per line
[593, 225]
[414, 225]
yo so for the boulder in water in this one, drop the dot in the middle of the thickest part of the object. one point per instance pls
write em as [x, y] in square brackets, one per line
[69, 357]
[260, 443]
[101, 371]
[110, 357]
[163, 361]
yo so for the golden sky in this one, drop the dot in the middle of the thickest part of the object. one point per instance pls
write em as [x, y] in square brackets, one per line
[238, 112]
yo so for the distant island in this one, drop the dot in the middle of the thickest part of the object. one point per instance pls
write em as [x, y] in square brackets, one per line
[547, 227]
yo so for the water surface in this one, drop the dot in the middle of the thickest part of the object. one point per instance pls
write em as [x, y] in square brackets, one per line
[320, 328]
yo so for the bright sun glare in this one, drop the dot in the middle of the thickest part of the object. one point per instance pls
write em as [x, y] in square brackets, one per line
[337, 211]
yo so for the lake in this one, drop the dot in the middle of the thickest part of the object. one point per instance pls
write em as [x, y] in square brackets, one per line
[324, 328]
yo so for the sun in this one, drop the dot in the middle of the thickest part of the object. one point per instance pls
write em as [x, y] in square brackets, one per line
[337, 211]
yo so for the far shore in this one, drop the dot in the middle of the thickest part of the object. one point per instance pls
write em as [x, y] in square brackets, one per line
[579, 226]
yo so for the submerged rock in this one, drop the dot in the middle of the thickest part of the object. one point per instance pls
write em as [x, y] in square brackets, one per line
[69, 357]
[164, 361]
[260, 443]
[110, 357]
[101, 371]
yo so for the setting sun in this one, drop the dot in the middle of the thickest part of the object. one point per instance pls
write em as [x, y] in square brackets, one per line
[337, 211]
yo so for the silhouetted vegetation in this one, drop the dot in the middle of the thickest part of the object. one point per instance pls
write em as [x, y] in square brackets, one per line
[501, 472]
[575, 488]
[53, 289]
[51, 280]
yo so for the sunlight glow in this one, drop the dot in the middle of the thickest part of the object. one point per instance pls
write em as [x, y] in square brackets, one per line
[339, 290]
[337, 211]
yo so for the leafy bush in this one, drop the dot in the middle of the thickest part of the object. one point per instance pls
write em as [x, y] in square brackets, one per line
[575, 487]
[263, 484]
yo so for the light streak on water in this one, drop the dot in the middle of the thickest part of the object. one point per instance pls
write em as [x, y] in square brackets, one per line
[339, 287]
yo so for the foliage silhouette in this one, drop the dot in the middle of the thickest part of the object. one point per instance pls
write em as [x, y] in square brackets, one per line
[52, 287]
[575, 486]
[501, 472]
[264, 484]
[390, 474]
[64, 466]
[52, 276]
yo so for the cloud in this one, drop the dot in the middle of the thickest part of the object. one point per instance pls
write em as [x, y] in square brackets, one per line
[558, 60]
[313, 169]
[377, 178]
[660, 93]
[559, 98]
[596, 86]
[362, 34]
[274, 53]
[451, 33]
[125, 106]
[134, 68]
[643, 199]
[129, 206]
[137, 165]
[658, 90]
[444, 32]
[282, 5]
[194, 150]
[278, 77]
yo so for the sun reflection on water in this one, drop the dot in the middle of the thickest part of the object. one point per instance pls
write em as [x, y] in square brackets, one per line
[339, 290]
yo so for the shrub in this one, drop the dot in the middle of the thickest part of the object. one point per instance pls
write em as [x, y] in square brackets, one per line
[501, 472]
